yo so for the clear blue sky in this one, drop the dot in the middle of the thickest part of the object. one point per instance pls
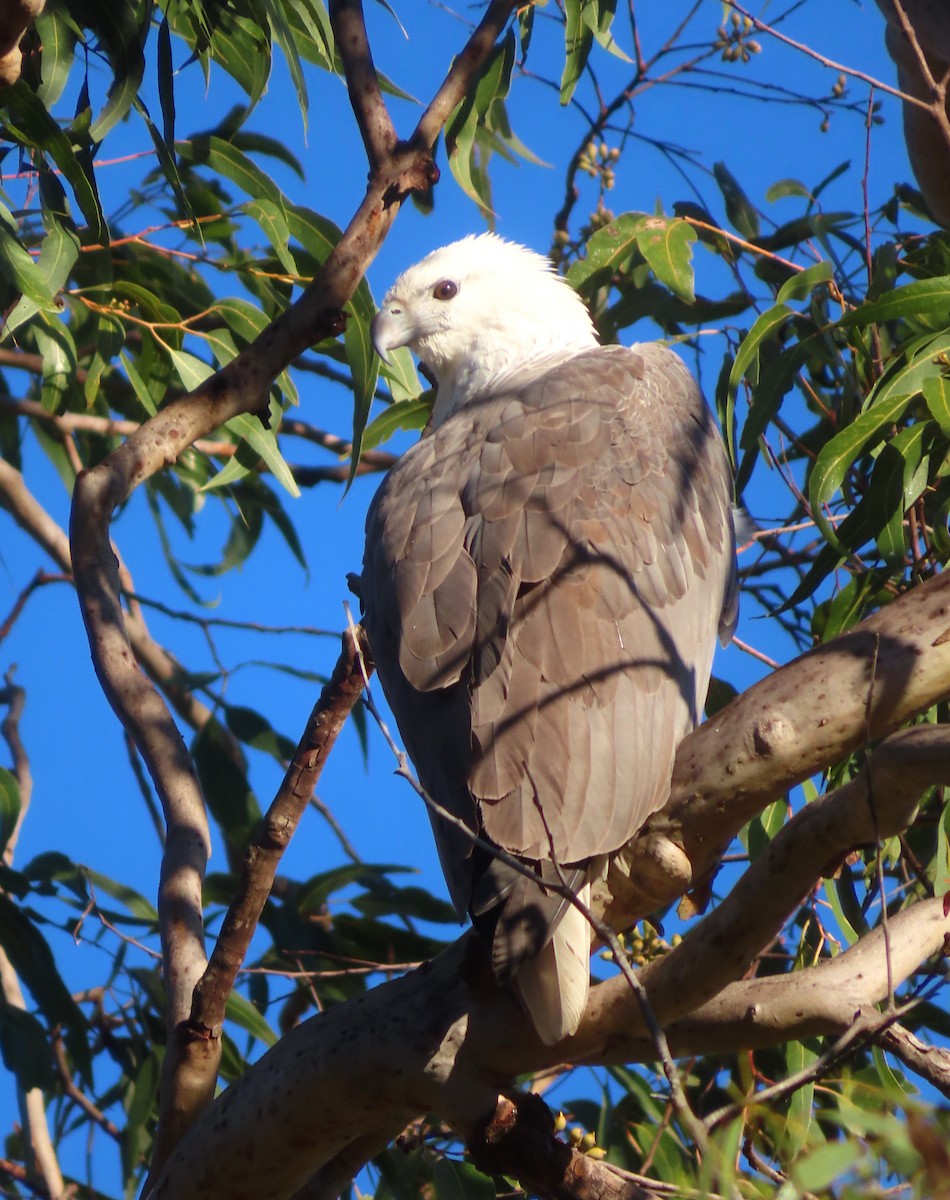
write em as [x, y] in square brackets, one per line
[85, 801]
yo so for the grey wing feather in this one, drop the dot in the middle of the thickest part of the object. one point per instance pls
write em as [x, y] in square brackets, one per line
[543, 580]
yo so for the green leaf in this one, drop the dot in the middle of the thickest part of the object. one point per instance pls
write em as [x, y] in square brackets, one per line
[262, 443]
[192, 371]
[28, 120]
[769, 390]
[9, 806]
[315, 892]
[226, 159]
[25, 1048]
[936, 390]
[607, 250]
[900, 475]
[57, 38]
[243, 1013]
[55, 344]
[166, 84]
[318, 235]
[739, 208]
[763, 828]
[787, 187]
[283, 36]
[926, 296]
[273, 221]
[117, 27]
[406, 414]
[110, 337]
[242, 47]
[460, 1181]
[746, 361]
[824, 1165]
[364, 365]
[313, 33]
[58, 253]
[798, 1122]
[585, 21]
[400, 373]
[942, 859]
[846, 907]
[666, 244]
[837, 456]
[250, 727]
[225, 784]
[141, 1102]
[805, 282]
[32, 959]
[166, 160]
[578, 40]
[134, 901]
[138, 384]
[17, 265]
[384, 899]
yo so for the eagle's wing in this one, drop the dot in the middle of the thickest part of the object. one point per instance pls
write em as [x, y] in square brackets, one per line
[543, 581]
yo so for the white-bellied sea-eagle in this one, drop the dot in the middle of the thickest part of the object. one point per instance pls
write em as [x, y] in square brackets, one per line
[545, 575]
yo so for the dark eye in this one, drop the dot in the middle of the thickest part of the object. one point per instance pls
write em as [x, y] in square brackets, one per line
[446, 290]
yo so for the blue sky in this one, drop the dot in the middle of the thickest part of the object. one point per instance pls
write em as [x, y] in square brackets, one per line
[85, 801]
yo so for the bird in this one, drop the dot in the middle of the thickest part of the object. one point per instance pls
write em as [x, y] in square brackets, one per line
[545, 574]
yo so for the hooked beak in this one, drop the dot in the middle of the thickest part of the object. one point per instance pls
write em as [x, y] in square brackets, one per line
[389, 330]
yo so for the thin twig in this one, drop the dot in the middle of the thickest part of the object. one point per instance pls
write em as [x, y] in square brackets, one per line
[841, 68]
[273, 836]
[877, 836]
[460, 76]
[866, 1028]
[40, 579]
[95, 1114]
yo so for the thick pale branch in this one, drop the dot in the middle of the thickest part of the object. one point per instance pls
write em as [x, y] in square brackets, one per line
[749, 1014]
[878, 802]
[40, 1148]
[335, 1178]
[787, 728]
[472, 1038]
[441, 1039]
[160, 666]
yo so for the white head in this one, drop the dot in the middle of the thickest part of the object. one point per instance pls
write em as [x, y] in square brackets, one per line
[480, 313]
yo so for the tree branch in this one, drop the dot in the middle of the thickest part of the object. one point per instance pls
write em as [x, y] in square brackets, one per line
[272, 838]
[41, 1153]
[362, 82]
[779, 733]
[474, 1036]
[721, 947]
[449, 1040]
[918, 42]
[929, 1062]
[463, 71]
[518, 1139]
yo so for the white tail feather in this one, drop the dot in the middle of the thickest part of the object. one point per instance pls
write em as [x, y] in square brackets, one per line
[554, 985]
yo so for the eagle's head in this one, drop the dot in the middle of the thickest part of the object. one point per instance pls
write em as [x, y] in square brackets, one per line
[481, 314]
